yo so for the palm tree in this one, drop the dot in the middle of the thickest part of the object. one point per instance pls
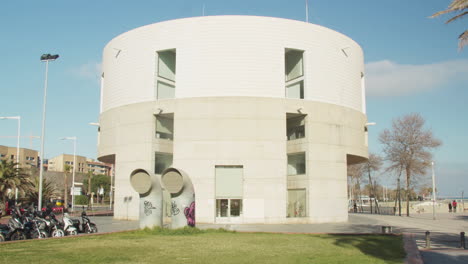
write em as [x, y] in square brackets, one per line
[13, 177]
[460, 8]
[48, 191]
[67, 168]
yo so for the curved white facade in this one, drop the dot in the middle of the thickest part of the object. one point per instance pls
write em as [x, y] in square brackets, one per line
[232, 114]
[233, 56]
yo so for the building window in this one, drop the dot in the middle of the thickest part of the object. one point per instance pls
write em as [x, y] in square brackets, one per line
[295, 90]
[165, 91]
[228, 207]
[166, 73]
[165, 126]
[294, 73]
[295, 126]
[296, 164]
[167, 64]
[294, 64]
[297, 203]
[229, 190]
[162, 162]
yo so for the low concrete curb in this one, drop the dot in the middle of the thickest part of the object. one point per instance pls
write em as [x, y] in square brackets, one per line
[412, 252]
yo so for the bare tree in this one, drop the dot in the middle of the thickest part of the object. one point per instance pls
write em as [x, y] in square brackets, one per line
[373, 164]
[407, 147]
[355, 172]
[359, 171]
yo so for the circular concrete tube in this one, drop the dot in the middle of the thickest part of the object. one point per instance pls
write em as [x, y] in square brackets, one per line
[140, 181]
[173, 181]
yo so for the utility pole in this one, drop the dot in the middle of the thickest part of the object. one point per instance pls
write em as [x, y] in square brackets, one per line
[463, 201]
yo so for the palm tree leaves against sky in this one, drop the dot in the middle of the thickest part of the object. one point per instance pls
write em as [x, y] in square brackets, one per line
[48, 191]
[460, 8]
[12, 177]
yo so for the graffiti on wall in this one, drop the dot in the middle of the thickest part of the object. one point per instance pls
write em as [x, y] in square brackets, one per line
[190, 214]
[174, 209]
[148, 207]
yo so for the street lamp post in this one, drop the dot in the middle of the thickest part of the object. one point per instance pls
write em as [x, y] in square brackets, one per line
[74, 169]
[17, 145]
[433, 191]
[46, 58]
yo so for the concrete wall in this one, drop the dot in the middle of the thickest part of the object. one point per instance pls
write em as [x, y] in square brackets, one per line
[243, 131]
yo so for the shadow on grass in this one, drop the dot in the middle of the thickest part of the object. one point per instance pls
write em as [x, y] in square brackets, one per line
[388, 248]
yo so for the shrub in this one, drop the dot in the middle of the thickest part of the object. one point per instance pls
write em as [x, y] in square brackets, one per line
[81, 200]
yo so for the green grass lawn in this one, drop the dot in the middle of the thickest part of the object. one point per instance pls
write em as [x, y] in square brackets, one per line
[211, 246]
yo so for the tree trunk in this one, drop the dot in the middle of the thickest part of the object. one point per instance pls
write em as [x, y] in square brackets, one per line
[89, 190]
[399, 198]
[377, 209]
[408, 176]
[370, 189]
[65, 191]
[360, 195]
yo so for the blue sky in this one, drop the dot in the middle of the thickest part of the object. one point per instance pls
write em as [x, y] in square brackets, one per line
[412, 65]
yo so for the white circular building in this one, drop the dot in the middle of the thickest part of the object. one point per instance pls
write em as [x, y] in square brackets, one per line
[262, 114]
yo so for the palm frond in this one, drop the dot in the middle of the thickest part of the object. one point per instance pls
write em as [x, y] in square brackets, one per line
[455, 7]
[463, 40]
[456, 17]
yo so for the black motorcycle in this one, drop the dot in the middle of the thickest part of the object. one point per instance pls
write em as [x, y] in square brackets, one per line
[53, 226]
[86, 226]
[4, 230]
[16, 229]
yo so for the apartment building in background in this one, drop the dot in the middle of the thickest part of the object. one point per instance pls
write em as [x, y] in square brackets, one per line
[84, 164]
[27, 157]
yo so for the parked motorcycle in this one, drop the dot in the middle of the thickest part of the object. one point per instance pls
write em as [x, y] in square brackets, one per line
[16, 229]
[34, 227]
[4, 230]
[53, 226]
[67, 225]
[86, 225]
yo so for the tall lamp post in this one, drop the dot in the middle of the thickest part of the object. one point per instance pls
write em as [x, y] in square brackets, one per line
[433, 191]
[46, 58]
[17, 145]
[74, 169]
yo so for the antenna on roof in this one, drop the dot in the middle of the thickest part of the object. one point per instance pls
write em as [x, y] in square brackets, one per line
[307, 10]
[203, 10]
